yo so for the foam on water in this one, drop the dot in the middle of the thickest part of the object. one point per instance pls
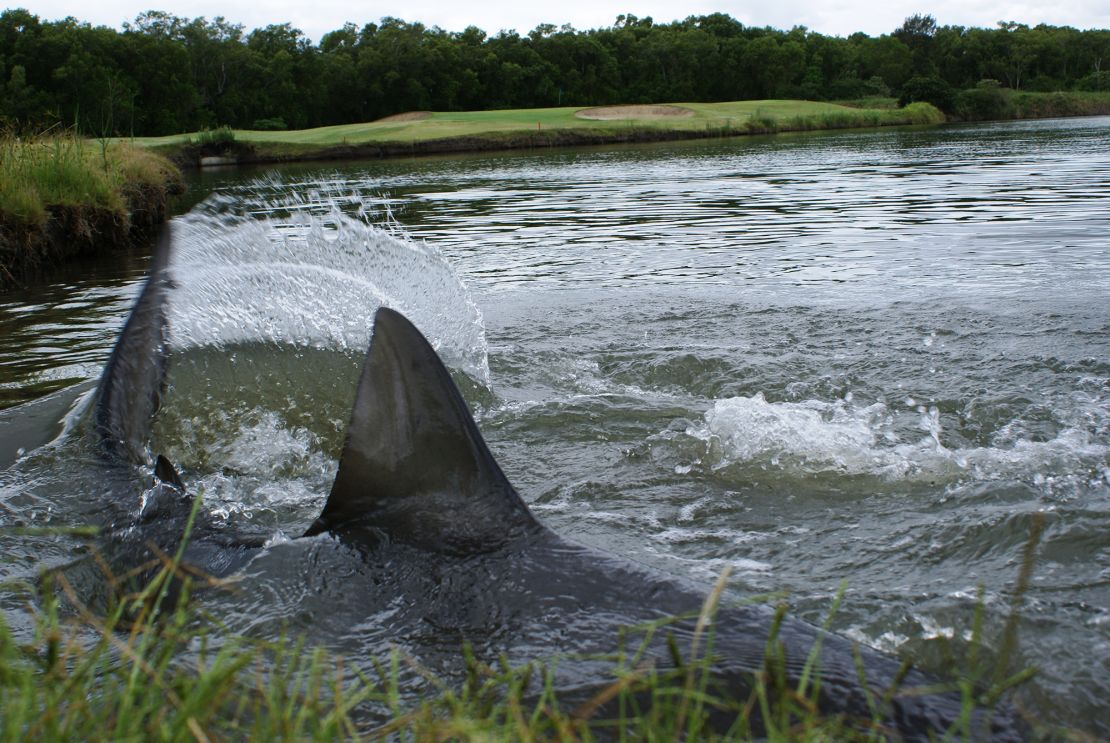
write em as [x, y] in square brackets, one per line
[816, 437]
[268, 469]
[310, 274]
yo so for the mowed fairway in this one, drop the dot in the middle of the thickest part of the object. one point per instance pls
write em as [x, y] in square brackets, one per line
[448, 125]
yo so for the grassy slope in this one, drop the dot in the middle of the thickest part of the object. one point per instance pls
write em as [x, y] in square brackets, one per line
[443, 125]
[62, 196]
[67, 171]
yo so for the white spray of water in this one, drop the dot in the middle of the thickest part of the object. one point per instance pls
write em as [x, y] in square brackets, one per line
[309, 274]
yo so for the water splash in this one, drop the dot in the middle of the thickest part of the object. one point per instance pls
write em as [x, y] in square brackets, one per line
[814, 437]
[307, 272]
[270, 473]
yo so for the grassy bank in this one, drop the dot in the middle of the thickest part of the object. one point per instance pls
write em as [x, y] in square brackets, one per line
[438, 132]
[63, 196]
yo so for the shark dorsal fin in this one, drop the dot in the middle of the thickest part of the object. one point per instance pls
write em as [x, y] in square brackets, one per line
[415, 466]
[130, 388]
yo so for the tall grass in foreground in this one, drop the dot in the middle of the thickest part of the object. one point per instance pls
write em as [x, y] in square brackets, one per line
[143, 670]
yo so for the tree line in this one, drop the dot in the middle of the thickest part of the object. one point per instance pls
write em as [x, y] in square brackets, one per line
[165, 74]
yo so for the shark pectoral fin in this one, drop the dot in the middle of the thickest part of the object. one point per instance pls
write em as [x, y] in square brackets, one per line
[164, 471]
[414, 465]
[167, 499]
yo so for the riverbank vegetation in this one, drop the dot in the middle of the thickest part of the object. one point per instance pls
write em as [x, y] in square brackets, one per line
[165, 74]
[65, 195]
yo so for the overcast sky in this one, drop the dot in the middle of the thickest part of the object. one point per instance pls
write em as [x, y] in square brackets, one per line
[834, 17]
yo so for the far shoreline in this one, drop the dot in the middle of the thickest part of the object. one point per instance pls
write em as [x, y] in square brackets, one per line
[438, 133]
[419, 133]
[269, 154]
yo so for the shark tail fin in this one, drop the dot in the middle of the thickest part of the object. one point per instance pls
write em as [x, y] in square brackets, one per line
[130, 388]
[414, 465]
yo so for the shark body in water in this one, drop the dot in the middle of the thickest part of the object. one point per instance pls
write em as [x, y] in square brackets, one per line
[424, 532]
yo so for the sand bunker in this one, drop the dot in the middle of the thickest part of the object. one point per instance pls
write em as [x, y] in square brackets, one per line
[406, 116]
[608, 113]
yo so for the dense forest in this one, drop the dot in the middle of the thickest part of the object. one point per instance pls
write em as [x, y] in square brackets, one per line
[163, 74]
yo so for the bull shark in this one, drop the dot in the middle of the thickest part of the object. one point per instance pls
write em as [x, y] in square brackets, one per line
[432, 538]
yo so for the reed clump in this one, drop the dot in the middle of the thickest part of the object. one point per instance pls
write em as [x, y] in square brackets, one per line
[218, 138]
[63, 195]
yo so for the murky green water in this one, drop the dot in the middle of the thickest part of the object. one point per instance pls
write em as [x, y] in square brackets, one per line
[874, 357]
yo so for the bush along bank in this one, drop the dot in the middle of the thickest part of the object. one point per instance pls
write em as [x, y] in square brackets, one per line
[1031, 105]
[989, 100]
[65, 196]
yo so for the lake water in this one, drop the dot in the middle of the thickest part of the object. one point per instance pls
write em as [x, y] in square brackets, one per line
[878, 358]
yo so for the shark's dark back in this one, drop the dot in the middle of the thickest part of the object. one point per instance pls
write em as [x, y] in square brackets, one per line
[130, 388]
